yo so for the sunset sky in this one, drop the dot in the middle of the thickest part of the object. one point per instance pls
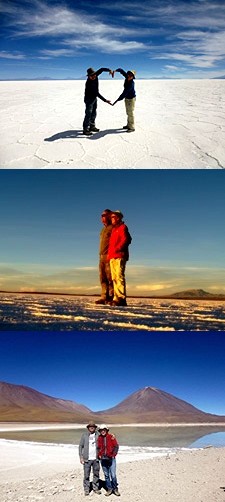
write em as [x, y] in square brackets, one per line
[101, 369]
[62, 38]
[50, 229]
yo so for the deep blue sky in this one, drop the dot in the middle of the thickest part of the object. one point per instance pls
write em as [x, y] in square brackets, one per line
[60, 39]
[50, 229]
[99, 370]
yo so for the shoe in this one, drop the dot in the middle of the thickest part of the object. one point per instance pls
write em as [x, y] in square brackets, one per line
[86, 493]
[117, 493]
[123, 302]
[130, 130]
[100, 301]
[109, 492]
[87, 133]
[98, 492]
[94, 129]
[125, 127]
[119, 303]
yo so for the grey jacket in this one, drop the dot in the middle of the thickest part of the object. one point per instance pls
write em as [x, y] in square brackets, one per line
[84, 445]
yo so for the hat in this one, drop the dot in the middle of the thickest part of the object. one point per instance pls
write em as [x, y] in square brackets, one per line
[118, 213]
[103, 426]
[133, 72]
[91, 424]
[90, 71]
[107, 211]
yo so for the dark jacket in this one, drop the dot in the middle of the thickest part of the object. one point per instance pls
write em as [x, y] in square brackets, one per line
[105, 235]
[91, 88]
[129, 89]
[107, 446]
[119, 242]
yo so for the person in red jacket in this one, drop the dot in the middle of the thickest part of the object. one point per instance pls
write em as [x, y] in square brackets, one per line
[108, 447]
[118, 255]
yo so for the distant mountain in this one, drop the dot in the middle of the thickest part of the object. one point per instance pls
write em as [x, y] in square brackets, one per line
[19, 403]
[196, 293]
[219, 78]
[154, 405]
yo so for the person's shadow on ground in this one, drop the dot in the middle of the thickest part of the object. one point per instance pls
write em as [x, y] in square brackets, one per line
[79, 134]
[102, 485]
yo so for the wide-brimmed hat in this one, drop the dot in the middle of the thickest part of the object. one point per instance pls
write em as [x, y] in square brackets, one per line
[133, 72]
[103, 426]
[118, 213]
[91, 424]
[90, 71]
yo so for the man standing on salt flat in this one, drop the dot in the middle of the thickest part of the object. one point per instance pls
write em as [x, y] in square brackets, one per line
[104, 265]
[90, 99]
[130, 97]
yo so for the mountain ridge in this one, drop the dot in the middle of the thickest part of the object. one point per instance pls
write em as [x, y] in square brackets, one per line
[150, 405]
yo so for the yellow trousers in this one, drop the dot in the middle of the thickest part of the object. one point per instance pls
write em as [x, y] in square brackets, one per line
[130, 105]
[117, 267]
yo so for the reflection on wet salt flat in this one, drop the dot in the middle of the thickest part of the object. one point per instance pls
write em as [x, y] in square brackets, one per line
[49, 312]
[133, 437]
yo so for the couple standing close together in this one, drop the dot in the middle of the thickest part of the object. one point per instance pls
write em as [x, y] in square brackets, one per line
[113, 255]
[92, 93]
[98, 445]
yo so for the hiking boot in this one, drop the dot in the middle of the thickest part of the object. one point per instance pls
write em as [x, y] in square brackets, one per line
[119, 303]
[86, 493]
[94, 129]
[87, 133]
[125, 127]
[123, 302]
[98, 492]
[115, 303]
[100, 301]
[130, 130]
[117, 493]
[109, 492]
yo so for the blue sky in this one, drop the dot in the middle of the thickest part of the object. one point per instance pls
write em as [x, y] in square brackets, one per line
[61, 39]
[100, 370]
[51, 225]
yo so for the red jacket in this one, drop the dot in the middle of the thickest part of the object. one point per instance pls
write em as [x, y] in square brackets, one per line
[107, 446]
[119, 242]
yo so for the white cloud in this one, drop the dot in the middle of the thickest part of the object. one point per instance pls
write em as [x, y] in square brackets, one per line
[11, 55]
[81, 30]
[57, 52]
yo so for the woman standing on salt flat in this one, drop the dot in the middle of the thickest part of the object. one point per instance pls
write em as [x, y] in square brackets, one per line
[130, 97]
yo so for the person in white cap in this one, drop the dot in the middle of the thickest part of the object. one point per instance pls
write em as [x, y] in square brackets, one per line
[107, 450]
[129, 95]
[89, 458]
[118, 254]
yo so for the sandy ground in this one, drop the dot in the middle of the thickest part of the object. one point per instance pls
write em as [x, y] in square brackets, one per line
[179, 124]
[30, 473]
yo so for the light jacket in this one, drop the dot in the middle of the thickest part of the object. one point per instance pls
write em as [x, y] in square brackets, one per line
[84, 445]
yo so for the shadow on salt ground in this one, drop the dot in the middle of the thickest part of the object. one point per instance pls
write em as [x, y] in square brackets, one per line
[101, 134]
[79, 134]
[65, 134]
